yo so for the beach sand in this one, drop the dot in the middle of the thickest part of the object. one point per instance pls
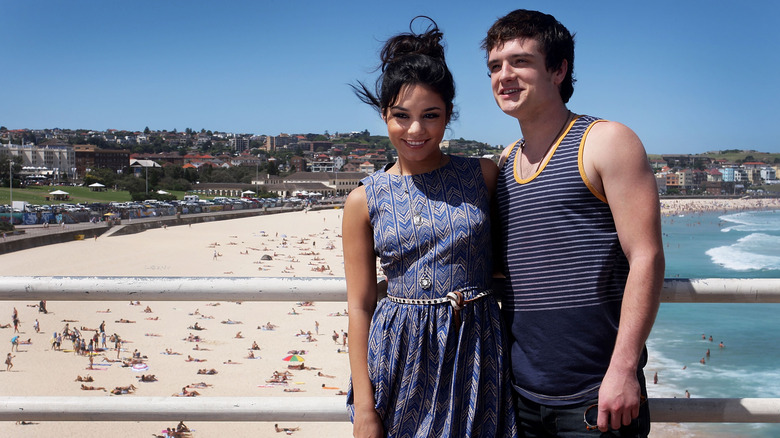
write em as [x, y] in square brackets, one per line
[300, 244]
[311, 247]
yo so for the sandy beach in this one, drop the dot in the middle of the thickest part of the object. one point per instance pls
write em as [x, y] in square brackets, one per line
[163, 335]
[159, 331]
[674, 207]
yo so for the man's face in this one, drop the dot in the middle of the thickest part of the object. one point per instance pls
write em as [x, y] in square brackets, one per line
[520, 79]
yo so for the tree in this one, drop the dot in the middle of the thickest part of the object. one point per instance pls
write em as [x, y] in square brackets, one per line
[104, 176]
[131, 183]
[147, 131]
[100, 142]
[6, 168]
[272, 168]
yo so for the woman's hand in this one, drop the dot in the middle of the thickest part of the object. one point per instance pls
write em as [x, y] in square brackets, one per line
[367, 424]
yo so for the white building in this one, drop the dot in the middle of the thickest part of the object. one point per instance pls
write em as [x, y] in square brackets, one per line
[59, 159]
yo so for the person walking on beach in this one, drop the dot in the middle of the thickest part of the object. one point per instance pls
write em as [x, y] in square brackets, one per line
[427, 360]
[580, 241]
[9, 362]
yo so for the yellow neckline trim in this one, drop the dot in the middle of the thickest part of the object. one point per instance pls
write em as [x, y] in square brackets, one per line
[581, 164]
[547, 159]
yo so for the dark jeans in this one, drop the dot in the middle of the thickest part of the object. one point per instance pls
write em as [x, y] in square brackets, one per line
[541, 421]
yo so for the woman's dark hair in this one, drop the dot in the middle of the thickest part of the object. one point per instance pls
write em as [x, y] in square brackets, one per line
[411, 59]
[555, 41]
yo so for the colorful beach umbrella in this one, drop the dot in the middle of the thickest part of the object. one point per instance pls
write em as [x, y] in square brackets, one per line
[294, 358]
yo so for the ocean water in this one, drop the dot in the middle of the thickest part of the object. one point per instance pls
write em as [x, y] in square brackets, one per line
[719, 245]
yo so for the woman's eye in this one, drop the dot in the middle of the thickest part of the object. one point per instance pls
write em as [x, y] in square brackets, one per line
[431, 116]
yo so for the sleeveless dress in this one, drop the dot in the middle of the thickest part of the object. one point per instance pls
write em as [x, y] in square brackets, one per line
[435, 374]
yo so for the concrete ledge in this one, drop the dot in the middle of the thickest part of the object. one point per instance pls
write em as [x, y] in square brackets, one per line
[29, 241]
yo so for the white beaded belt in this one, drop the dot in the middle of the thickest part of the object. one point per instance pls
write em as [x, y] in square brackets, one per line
[455, 299]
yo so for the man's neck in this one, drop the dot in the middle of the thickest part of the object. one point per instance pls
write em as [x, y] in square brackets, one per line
[540, 129]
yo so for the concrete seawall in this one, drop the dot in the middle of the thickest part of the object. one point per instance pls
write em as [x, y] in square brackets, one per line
[29, 240]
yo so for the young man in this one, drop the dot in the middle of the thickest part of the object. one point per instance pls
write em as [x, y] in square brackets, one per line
[579, 218]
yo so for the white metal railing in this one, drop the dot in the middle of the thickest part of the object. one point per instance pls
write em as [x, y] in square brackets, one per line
[72, 288]
[328, 409]
[66, 288]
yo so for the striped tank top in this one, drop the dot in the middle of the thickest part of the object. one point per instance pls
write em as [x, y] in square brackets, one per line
[565, 274]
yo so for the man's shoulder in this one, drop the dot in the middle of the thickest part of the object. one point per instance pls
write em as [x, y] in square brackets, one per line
[608, 129]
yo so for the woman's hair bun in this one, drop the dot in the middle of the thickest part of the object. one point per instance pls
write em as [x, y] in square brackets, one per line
[426, 43]
[411, 59]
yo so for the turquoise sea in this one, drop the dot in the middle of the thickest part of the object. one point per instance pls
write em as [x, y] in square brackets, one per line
[719, 245]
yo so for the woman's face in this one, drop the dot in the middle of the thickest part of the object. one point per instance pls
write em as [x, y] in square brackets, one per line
[416, 122]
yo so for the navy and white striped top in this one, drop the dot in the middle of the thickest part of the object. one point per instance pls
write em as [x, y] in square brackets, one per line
[566, 274]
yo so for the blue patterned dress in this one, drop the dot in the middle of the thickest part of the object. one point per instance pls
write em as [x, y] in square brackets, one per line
[432, 376]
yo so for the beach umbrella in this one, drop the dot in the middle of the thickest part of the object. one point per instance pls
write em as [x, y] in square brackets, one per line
[294, 358]
[110, 214]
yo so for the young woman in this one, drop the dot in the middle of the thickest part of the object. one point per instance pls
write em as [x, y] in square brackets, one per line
[429, 359]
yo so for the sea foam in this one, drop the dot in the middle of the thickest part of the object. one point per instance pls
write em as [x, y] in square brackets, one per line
[756, 251]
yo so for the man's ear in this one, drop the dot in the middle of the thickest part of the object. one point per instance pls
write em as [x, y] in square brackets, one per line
[560, 74]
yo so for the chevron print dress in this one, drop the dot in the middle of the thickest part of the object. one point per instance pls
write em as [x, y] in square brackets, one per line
[436, 374]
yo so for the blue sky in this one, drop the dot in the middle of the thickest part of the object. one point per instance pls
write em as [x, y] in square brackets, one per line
[687, 76]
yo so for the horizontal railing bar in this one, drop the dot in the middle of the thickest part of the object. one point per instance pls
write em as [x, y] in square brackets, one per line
[325, 409]
[721, 290]
[714, 410]
[74, 288]
[69, 288]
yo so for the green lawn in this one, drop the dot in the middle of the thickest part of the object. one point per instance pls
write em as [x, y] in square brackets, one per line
[37, 195]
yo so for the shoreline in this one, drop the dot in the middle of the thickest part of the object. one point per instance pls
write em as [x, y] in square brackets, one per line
[676, 207]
